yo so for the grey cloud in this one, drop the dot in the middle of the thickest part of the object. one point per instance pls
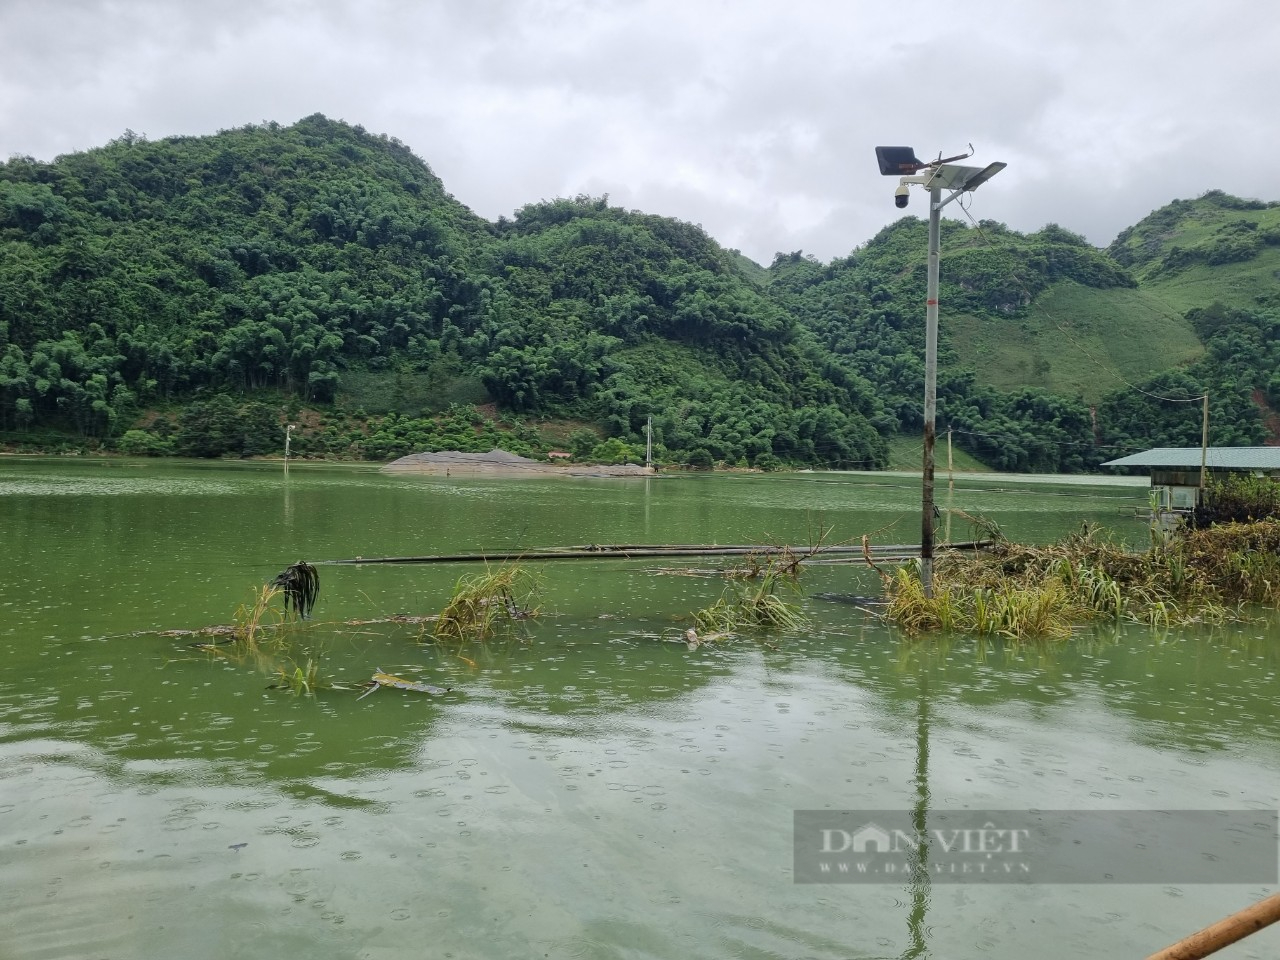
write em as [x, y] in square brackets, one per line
[755, 118]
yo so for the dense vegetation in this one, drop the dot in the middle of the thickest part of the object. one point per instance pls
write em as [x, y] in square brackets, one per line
[321, 263]
[1237, 498]
[865, 310]
[190, 295]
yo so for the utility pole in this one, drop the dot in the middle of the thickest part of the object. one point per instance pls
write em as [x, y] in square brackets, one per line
[1204, 446]
[951, 491]
[930, 389]
[940, 175]
[951, 473]
[288, 436]
[648, 444]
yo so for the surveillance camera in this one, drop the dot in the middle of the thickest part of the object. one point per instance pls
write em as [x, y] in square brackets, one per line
[901, 195]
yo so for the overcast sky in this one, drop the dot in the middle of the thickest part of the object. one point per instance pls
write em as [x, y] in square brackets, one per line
[755, 118]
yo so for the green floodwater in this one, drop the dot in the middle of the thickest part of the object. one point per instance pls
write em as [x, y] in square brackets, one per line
[588, 789]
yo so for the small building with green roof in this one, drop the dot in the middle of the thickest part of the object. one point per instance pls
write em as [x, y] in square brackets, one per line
[1175, 471]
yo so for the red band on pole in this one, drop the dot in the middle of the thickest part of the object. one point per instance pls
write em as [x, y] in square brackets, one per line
[931, 303]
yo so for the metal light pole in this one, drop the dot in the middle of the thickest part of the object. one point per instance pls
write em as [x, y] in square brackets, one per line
[930, 389]
[940, 175]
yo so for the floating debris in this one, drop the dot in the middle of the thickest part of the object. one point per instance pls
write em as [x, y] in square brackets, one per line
[693, 640]
[300, 584]
[381, 679]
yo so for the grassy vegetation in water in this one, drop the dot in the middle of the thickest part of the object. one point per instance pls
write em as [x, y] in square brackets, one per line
[301, 680]
[259, 635]
[480, 603]
[752, 599]
[249, 628]
[1024, 592]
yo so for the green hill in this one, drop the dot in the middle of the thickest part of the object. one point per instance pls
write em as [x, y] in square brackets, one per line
[320, 264]
[1052, 353]
[867, 310]
[1077, 341]
[192, 292]
[1217, 249]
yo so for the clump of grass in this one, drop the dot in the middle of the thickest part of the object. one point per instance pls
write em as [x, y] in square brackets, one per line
[753, 600]
[302, 681]
[481, 603]
[258, 636]
[303, 677]
[1236, 561]
[980, 527]
[255, 622]
[1009, 609]
[299, 585]
[1021, 591]
[248, 627]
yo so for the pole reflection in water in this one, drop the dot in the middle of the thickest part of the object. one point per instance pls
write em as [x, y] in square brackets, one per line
[288, 503]
[919, 884]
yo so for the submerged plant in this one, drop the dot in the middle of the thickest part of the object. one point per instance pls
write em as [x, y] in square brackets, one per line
[299, 680]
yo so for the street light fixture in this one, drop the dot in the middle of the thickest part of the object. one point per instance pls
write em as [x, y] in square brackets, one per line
[935, 176]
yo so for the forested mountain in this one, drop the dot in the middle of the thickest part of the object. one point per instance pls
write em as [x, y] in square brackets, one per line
[867, 311]
[188, 294]
[1215, 262]
[1054, 355]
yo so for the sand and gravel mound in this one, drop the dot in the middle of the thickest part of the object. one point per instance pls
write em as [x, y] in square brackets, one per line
[501, 463]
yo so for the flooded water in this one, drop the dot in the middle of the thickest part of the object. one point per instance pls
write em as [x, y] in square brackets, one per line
[588, 788]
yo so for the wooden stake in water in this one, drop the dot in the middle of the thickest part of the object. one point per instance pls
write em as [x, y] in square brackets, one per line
[1224, 932]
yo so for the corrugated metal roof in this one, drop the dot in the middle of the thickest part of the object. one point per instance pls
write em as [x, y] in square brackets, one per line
[1220, 458]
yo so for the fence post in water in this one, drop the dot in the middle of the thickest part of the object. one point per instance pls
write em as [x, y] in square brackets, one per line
[1224, 932]
[288, 435]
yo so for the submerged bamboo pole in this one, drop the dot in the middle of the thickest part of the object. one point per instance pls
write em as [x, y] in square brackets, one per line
[642, 551]
[1223, 933]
